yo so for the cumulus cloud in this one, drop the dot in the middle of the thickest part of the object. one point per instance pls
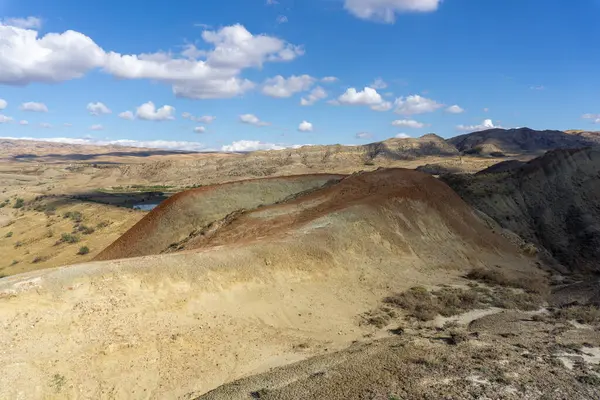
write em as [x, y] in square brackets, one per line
[378, 84]
[23, 122]
[305, 126]
[281, 87]
[594, 117]
[315, 95]
[96, 127]
[199, 74]
[367, 97]
[25, 23]
[402, 136]
[408, 123]
[363, 135]
[282, 19]
[149, 144]
[252, 119]
[486, 124]
[386, 10]
[32, 106]
[329, 79]
[3, 104]
[98, 108]
[455, 109]
[127, 115]
[250, 145]
[415, 104]
[149, 112]
[4, 119]
[205, 119]
[199, 129]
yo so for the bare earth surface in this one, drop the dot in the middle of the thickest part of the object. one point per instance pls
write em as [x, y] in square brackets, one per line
[325, 272]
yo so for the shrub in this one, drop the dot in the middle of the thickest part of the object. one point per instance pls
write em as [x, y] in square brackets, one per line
[83, 250]
[534, 284]
[19, 203]
[39, 259]
[102, 224]
[75, 216]
[581, 314]
[69, 238]
[86, 230]
[18, 244]
[9, 234]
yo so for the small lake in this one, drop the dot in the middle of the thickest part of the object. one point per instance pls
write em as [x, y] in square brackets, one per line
[145, 206]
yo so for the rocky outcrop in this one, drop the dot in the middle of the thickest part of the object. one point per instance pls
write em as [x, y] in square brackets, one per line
[553, 201]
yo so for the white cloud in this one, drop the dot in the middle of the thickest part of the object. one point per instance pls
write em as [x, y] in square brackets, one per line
[594, 117]
[45, 125]
[252, 120]
[96, 127]
[272, 2]
[367, 97]
[315, 95]
[32, 106]
[305, 126]
[379, 84]
[537, 87]
[363, 135]
[486, 124]
[205, 119]
[149, 112]
[386, 10]
[402, 136]
[25, 23]
[149, 144]
[199, 129]
[51, 58]
[3, 104]
[194, 73]
[98, 108]
[455, 109]
[250, 145]
[281, 87]
[127, 115]
[415, 104]
[282, 19]
[67, 125]
[486, 109]
[5, 119]
[329, 79]
[23, 122]
[408, 123]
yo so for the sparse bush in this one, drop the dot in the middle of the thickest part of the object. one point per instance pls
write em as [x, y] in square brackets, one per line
[86, 230]
[458, 336]
[102, 224]
[69, 238]
[19, 203]
[75, 216]
[497, 277]
[581, 314]
[8, 235]
[18, 244]
[83, 250]
[14, 262]
[40, 259]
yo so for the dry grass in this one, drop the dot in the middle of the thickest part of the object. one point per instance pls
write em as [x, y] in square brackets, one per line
[582, 314]
[497, 277]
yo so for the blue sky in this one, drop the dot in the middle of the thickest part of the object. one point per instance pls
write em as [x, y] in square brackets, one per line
[232, 74]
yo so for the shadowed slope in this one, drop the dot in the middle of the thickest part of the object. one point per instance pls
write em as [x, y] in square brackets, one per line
[553, 201]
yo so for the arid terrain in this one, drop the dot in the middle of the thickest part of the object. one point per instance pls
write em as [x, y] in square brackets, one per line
[405, 269]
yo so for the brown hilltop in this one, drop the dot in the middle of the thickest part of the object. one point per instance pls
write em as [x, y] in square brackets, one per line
[194, 210]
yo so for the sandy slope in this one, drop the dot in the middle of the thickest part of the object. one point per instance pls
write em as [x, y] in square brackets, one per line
[163, 326]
